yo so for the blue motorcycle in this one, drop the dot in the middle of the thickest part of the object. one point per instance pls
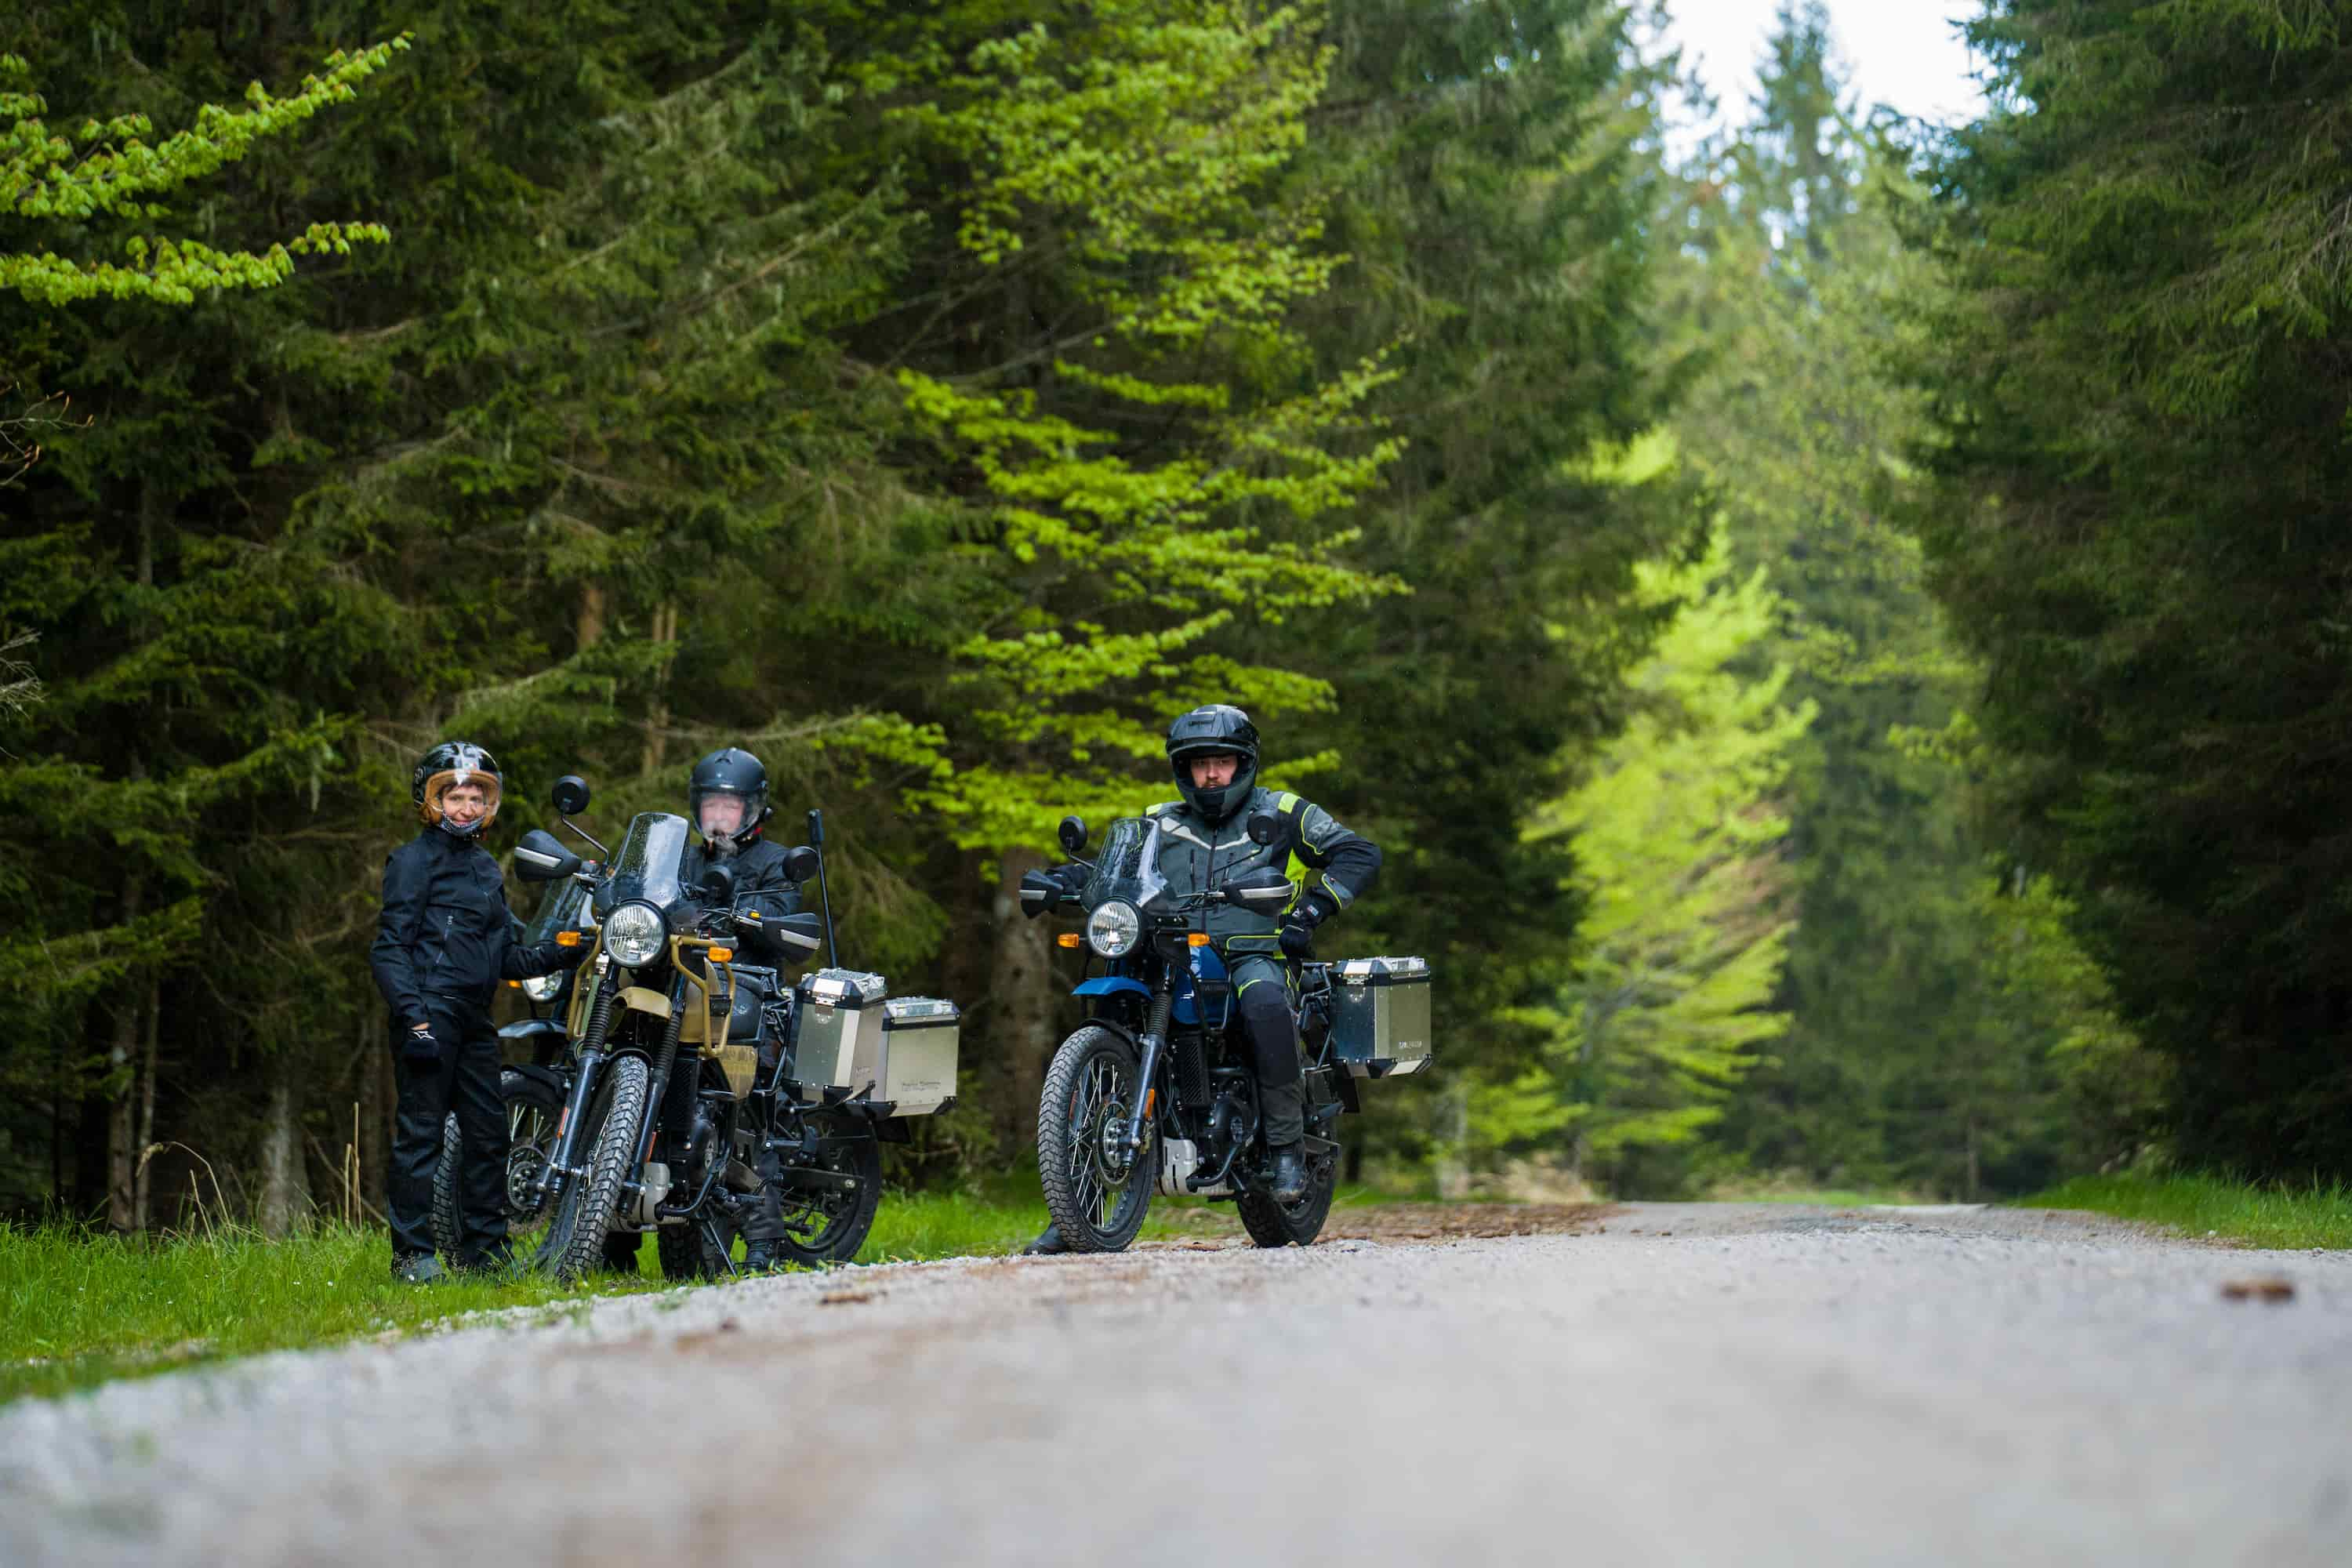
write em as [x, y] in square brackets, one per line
[1155, 1093]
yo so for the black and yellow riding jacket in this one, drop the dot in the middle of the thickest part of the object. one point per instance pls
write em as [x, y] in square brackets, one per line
[1325, 860]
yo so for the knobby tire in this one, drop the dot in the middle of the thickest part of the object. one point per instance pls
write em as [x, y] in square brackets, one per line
[1069, 1115]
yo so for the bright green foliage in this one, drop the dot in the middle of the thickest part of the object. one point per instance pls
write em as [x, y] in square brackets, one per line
[2139, 431]
[106, 170]
[1676, 836]
[1137, 155]
[1485, 165]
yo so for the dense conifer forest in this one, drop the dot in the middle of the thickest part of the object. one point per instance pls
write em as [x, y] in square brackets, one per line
[1842, 627]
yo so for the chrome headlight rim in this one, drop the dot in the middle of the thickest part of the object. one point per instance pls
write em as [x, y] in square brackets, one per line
[633, 933]
[543, 988]
[1113, 928]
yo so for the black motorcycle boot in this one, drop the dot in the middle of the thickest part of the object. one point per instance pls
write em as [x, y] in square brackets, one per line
[758, 1256]
[1048, 1245]
[417, 1268]
[1289, 1174]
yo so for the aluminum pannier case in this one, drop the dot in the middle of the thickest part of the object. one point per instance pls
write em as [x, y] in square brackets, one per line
[897, 1053]
[1379, 1015]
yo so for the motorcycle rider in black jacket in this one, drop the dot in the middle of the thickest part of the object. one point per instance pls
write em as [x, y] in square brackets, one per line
[444, 940]
[727, 801]
[1205, 842]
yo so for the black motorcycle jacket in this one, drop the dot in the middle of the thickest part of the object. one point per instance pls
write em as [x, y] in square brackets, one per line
[759, 879]
[1328, 862]
[445, 930]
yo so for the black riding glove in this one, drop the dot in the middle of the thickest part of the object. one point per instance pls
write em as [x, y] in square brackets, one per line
[419, 1049]
[572, 957]
[1298, 927]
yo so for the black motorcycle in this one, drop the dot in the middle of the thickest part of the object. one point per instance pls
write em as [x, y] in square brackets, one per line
[665, 1113]
[1157, 1092]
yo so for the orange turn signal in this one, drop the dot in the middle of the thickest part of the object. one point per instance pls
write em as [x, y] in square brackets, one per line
[722, 954]
[1197, 939]
[567, 939]
[514, 984]
[1068, 939]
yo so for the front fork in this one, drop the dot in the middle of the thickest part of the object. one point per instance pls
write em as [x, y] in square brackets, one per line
[1154, 1043]
[549, 1187]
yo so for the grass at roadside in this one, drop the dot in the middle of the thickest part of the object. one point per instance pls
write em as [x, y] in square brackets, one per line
[2258, 1215]
[79, 1308]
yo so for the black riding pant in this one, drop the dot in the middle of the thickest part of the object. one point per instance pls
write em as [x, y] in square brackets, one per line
[465, 1079]
[1261, 992]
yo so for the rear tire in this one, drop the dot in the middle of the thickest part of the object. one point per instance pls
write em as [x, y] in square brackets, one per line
[1270, 1224]
[533, 1107]
[1096, 1206]
[446, 1231]
[577, 1237]
[826, 1225]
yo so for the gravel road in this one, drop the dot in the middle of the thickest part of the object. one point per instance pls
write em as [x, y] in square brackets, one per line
[1662, 1384]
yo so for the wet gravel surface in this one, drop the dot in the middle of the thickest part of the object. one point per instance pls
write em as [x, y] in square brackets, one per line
[1651, 1383]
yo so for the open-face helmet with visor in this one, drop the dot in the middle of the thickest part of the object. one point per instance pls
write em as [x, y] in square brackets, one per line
[455, 764]
[1219, 727]
[727, 785]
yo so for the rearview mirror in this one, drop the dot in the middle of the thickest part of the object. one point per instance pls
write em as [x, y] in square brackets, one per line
[799, 863]
[717, 889]
[540, 856]
[1073, 834]
[570, 794]
[1263, 828]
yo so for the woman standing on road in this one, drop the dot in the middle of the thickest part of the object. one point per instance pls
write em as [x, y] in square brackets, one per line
[443, 943]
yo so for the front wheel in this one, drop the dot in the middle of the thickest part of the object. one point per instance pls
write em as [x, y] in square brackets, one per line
[576, 1236]
[1271, 1223]
[1096, 1192]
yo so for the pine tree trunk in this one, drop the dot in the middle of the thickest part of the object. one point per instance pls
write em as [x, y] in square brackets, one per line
[1449, 1161]
[665, 629]
[588, 630]
[984, 1076]
[141, 1177]
[379, 1092]
[285, 1184]
[121, 1125]
[1022, 997]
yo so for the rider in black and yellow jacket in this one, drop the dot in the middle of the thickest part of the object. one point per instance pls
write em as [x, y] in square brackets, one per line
[1204, 843]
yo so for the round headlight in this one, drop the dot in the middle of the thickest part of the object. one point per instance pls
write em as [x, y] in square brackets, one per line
[542, 987]
[633, 933]
[1111, 929]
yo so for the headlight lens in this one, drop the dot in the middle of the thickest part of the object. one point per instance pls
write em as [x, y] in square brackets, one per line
[542, 987]
[1111, 930]
[633, 933]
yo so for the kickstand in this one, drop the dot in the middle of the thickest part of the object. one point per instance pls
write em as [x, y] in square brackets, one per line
[726, 1252]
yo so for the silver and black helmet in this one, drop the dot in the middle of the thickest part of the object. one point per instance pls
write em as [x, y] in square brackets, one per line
[1219, 727]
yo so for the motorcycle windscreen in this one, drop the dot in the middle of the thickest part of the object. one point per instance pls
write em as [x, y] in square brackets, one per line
[647, 865]
[558, 910]
[1128, 867]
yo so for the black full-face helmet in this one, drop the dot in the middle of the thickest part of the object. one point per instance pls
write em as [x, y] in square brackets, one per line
[1219, 727]
[455, 764]
[732, 772]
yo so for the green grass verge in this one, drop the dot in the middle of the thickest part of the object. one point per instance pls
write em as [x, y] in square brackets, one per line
[2258, 1215]
[79, 1308]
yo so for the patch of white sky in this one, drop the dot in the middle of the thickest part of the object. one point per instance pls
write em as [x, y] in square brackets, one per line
[1906, 54]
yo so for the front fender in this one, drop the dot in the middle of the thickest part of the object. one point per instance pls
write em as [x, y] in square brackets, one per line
[1113, 985]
